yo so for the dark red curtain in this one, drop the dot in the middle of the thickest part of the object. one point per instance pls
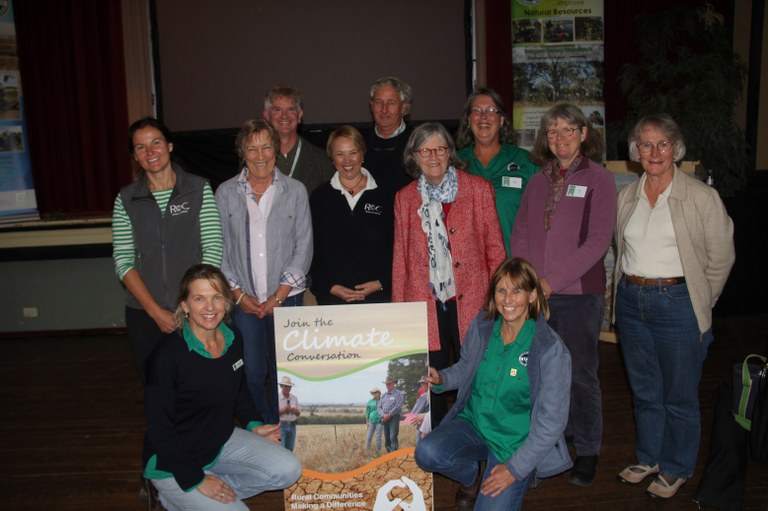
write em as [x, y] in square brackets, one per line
[73, 78]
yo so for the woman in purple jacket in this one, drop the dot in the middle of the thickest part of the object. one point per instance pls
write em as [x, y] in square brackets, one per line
[564, 227]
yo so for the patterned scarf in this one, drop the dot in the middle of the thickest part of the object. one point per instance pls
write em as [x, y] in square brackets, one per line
[431, 213]
[557, 181]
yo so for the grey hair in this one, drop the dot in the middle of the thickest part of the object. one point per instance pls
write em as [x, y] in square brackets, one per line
[418, 137]
[403, 90]
[282, 90]
[667, 125]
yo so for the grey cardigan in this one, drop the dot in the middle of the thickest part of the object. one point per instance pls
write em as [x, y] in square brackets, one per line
[289, 232]
[704, 234]
[549, 375]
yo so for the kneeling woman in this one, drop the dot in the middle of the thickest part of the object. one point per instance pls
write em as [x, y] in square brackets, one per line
[194, 454]
[511, 410]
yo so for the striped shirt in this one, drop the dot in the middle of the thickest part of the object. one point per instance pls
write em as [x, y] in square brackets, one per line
[211, 240]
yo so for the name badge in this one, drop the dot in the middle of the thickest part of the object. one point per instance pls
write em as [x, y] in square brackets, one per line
[512, 182]
[237, 365]
[576, 191]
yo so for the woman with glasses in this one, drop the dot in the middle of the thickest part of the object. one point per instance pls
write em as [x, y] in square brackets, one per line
[564, 227]
[675, 251]
[486, 142]
[447, 243]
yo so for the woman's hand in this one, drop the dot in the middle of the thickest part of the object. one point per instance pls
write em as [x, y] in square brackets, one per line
[216, 489]
[166, 320]
[498, 481]
[434, 377]
[368, 288]
[250, 305]
[346, 294]
[269, 431]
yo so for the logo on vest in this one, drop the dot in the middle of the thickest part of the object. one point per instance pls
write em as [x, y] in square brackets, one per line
[373, 209]
[179, 209]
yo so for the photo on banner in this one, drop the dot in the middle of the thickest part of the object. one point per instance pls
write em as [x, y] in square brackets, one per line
[335, 358]
[17, 191]
[557, 57]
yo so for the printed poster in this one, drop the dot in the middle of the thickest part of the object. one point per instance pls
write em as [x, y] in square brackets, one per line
[334, 356]
[17, 191]
[557, 57]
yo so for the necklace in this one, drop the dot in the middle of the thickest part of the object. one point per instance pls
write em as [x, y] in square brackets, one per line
[351, 189]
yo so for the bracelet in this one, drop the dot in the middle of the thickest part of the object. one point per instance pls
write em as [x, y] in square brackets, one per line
[277, 299]
[239, 299]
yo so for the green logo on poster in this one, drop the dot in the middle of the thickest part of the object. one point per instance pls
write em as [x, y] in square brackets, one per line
[529, 2]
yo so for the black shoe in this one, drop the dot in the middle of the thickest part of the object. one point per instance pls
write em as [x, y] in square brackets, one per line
[583, 472]
[148, 489]
[467, 495]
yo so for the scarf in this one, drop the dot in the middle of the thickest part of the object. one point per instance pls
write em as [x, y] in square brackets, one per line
[556, 179]
[438, 247]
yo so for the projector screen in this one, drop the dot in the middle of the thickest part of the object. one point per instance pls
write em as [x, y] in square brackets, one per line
[217, 59]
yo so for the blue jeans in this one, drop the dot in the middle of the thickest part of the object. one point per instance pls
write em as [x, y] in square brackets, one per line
[259, 355]
[577, 320]
[454, 449]
[288, 435]
[248, 463]
[373, 429]
[664, 352]
[391, 433]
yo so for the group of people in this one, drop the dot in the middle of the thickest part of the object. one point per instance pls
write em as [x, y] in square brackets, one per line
[507, 249]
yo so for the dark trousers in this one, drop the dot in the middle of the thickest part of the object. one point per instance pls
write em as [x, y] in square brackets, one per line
[450, 347]
[144, 335]
[577, 320]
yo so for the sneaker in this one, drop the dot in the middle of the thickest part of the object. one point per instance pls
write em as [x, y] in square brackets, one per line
[634, 474]
[664, 487]
[583, 471]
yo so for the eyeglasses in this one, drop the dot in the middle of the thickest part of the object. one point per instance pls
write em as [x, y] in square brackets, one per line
[491, 111]
[647, 147]
[426, 152]
[563, 132]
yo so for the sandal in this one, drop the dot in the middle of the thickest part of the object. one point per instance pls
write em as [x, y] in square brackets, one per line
[664, 487]
[634, 474]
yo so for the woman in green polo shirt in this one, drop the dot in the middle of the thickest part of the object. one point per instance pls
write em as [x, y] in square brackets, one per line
[486, 142]
[508, 421]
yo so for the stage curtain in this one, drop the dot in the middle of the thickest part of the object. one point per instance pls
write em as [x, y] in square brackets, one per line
[73, 77]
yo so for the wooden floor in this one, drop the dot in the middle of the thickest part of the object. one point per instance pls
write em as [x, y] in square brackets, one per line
[72, 424]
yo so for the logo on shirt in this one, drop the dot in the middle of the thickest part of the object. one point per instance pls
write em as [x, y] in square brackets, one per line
[513, 167]
[523, 359]
[373, 209]
[179, 209]
[237, 365]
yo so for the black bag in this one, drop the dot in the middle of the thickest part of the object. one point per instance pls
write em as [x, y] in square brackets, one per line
[746, 377]
[724, 480]
[758, 435]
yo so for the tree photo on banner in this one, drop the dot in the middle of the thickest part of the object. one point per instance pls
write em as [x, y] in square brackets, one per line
[336, 358]
[557, 57]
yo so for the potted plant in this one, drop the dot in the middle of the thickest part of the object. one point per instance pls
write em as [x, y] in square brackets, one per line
[687, 68]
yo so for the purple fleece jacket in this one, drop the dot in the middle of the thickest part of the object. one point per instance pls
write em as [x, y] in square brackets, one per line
[569, 255]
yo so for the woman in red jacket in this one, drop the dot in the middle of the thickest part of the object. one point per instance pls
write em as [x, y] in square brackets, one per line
[447, 244]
